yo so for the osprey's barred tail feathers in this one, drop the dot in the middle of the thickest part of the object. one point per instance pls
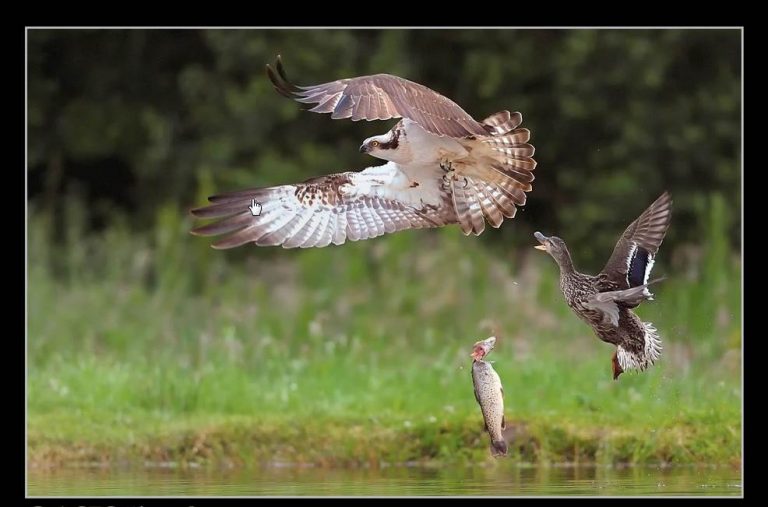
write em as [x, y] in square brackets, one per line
[502, 122]
[468, 207]
[493, 188]
[645, 357]
[514, 150]
[492, 194]
[493, 200]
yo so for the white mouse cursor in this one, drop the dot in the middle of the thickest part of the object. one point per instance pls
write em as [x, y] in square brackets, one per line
[255, 208]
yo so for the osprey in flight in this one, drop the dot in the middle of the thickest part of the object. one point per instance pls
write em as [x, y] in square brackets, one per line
[444, 167]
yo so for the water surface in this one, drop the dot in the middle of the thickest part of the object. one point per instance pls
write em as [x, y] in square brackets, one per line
[497, 479]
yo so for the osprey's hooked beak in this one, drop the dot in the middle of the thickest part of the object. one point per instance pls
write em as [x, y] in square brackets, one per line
[364, 148]
[543, 240]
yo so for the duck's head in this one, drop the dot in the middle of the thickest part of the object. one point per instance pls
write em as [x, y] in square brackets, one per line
[554, 246]
[483, 348]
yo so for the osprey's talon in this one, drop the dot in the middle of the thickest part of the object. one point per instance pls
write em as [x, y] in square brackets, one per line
[446, 181]
[466, 182]
[445, 165]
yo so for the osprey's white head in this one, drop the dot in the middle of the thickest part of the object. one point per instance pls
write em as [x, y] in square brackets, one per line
[390, 146]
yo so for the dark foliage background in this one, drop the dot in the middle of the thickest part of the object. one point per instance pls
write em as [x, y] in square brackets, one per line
[127, 121]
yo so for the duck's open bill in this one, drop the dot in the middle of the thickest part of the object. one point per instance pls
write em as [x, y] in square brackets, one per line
[542, 239]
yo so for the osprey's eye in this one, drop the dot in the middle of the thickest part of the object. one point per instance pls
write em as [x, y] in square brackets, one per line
[375, 144]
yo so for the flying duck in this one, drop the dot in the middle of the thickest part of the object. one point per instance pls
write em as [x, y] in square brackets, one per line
[605, 301]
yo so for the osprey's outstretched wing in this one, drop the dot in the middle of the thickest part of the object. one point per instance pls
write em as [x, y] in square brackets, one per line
[321, 211]
[381, 97]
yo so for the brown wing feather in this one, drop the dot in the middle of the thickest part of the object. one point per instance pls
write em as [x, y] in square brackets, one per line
[646, 232]
[315, 213]
[380, 97]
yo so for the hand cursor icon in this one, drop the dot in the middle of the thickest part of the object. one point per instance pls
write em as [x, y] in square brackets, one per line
[255, 208]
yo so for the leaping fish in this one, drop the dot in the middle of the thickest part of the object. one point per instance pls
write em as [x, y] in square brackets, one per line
[489, 395]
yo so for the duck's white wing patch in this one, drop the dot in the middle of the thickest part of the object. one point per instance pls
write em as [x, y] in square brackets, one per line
[632, 258]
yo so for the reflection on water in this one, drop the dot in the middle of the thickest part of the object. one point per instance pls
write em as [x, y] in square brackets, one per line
[499, 479]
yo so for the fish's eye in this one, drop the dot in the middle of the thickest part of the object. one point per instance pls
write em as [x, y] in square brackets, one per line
[375, 144]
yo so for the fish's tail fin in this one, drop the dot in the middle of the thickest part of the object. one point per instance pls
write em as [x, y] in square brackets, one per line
[498, 448]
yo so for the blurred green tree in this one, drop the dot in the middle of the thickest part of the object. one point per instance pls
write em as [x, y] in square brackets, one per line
[131, 121]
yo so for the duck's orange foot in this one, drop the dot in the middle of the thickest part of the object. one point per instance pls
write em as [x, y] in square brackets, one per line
[617, 370]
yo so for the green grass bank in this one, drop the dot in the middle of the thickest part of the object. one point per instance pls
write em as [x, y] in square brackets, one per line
[153, 347]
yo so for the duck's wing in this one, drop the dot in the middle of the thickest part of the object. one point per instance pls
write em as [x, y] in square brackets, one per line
[633, 256]
[608, 302]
